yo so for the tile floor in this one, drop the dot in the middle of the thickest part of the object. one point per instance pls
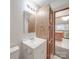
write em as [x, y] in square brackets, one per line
[61, 49]
[63, 44]
[55, 57]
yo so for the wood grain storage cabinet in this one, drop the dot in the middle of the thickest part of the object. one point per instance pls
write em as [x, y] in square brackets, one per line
[45, 28]
[34, 49]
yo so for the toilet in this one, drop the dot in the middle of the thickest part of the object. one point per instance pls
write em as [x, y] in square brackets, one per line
[14, 52]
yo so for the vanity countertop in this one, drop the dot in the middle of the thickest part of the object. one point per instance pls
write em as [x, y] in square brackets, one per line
[34, 42]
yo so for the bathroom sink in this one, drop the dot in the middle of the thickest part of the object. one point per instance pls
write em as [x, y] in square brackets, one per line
[34, 48]
[33, 42]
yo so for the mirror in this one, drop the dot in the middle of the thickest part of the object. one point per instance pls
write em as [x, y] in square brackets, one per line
[28, 23]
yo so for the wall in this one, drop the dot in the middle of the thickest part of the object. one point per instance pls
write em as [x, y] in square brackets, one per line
[45, 19]
[16, 21]
[42, 22]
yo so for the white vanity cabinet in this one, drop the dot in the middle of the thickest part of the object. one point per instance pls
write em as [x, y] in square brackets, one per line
[34, 49]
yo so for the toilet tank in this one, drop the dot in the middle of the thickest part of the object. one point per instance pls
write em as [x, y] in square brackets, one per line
[14, 52]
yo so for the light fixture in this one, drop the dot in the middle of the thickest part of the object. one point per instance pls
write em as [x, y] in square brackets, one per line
[65, 18]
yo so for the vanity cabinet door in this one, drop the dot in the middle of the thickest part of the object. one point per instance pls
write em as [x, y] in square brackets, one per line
[27, 52]
[40, 52]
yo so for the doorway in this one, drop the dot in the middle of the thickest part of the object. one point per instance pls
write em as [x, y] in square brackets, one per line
[62, 33]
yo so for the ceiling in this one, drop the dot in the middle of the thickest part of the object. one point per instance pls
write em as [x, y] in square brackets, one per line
[60, 15]
[55, 4]
[59, 4]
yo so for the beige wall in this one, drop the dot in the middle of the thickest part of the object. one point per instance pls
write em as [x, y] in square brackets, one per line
[16, 21]
[42, 22]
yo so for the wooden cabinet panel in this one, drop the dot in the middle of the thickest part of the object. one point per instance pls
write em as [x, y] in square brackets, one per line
[59, 36]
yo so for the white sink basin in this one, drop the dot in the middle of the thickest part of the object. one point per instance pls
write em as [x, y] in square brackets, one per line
[33, 43]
